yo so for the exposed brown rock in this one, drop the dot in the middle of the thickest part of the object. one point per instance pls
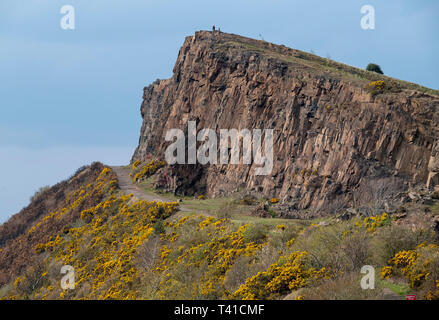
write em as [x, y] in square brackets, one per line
[331, 134]
[261, 211]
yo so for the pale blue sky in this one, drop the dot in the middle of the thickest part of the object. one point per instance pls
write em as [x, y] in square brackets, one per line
[68, 97]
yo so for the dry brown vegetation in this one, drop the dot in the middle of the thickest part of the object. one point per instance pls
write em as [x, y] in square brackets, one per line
[17, 243]
[126, 248]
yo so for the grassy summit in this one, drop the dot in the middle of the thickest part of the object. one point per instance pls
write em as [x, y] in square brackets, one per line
[311, 63]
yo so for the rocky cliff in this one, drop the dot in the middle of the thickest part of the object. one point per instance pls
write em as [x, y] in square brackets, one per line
[333, 136]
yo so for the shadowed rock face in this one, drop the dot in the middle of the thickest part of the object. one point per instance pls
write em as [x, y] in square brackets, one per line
[330, 134]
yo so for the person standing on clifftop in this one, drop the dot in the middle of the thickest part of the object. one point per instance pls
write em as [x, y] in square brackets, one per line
[213, 29]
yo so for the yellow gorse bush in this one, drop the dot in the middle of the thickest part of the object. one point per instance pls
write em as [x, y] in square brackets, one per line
[386, 272]
[190, 257]
[135, 164]
[416, 266]
[103, 185]
[148, 169]
[213, 257]
[371, 223]
[102, 248]
[289, 273]
[380, 84]
[376, 87]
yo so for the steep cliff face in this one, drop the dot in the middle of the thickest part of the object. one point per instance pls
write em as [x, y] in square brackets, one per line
[331, 135]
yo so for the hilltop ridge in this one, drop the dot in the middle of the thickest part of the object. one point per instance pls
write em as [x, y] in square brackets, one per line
[309, 62]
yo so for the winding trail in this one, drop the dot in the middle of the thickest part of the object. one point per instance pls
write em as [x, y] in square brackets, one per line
[390, 295]
[127, 186]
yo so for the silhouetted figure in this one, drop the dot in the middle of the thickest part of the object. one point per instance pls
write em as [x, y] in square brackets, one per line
[213, 29]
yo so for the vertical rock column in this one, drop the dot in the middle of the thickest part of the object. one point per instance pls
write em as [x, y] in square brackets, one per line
[433, 168]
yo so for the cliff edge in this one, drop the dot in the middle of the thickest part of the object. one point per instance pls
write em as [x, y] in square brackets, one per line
[337, 129]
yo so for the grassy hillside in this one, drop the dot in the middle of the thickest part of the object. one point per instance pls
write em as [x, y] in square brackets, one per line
[50, 213]
[124, 248]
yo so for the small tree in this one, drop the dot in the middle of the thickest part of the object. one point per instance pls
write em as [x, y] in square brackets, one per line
[375, 196]
[374, 68]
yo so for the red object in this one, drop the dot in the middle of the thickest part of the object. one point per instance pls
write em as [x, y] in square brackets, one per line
[410, 297]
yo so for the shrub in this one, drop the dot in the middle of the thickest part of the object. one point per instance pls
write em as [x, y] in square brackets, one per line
[226, 210]
[335, 247]
[356, 248]
[237, 274]
[419, 266]
[289, 273]
[255, 233]
[345, 287]
[376, 87]
[32, 279]
[148, 169]
[374, 68]
[372, 223]
[159, 227]
[39, 193]
[283, 237]
[246, 267]
[135, 164]
[272, 212]
[79, 170]
[392, 239]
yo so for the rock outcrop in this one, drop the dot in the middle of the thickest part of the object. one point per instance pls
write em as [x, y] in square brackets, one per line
[331, 135]
[433, 168]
